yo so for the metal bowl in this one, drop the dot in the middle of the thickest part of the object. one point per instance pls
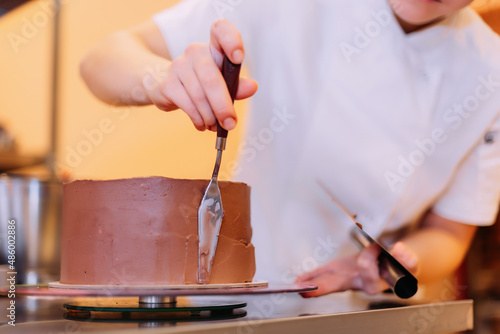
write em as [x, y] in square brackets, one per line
[33, 206]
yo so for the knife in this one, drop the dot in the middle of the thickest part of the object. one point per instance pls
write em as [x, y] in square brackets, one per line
[400, 280]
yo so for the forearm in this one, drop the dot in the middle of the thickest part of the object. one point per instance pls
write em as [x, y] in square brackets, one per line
[121, 69]
[440, 246]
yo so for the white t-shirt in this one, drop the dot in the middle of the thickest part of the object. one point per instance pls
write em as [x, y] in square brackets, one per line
[392, 124]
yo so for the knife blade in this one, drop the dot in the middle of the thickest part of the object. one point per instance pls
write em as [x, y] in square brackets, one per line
[400, 280]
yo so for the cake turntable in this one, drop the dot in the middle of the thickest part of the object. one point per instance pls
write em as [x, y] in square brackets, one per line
[143, 303]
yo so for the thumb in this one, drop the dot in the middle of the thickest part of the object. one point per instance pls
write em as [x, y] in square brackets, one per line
[406, 256]
[226, 39]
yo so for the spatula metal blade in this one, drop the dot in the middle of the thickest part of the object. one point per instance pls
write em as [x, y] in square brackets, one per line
[210, 214]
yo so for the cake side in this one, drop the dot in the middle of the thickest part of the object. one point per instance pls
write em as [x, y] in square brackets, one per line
[145, 231]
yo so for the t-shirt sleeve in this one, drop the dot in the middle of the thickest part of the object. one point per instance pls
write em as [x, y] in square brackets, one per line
[474, 196]
[187, 22]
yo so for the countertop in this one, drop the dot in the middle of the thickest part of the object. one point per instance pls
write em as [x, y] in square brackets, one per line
[346, 312]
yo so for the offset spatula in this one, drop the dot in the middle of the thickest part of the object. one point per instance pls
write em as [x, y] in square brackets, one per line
[210, 212]
[400, 280]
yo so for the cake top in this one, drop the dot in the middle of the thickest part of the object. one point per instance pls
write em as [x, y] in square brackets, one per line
[149, 178]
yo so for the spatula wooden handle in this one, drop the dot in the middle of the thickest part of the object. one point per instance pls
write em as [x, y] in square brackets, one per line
[231, 74]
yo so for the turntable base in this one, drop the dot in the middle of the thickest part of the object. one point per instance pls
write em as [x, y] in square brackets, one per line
[171, 309]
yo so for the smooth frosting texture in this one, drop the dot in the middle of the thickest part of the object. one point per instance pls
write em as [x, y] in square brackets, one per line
[145, 231]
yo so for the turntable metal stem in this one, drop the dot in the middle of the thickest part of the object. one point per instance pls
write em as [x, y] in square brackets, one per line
[153, 300]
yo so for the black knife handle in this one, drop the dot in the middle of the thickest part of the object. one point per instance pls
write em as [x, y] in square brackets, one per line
[400, 280]
[231, 74]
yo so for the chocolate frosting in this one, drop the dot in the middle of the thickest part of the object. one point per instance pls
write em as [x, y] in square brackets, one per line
[145, 231]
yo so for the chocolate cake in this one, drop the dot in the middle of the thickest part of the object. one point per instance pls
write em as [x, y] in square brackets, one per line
[144, 231]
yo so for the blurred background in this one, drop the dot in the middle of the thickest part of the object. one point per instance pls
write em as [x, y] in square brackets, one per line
[52, 128]
[140, 141]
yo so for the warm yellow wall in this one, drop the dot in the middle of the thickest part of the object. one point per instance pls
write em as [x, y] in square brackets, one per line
[143, 141]
[490, 10]
[24, 76]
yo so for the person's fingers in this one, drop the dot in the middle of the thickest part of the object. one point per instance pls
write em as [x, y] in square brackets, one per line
[406, 256]
[341, 265]
[340, 274]
[197, 95]
[368, 270]
[216, 91]
[226, 39]
[330, 267]
[326, 284]
[246, 88]
[181, 99]
[329, 282]
[206, 98]
[311, 274]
